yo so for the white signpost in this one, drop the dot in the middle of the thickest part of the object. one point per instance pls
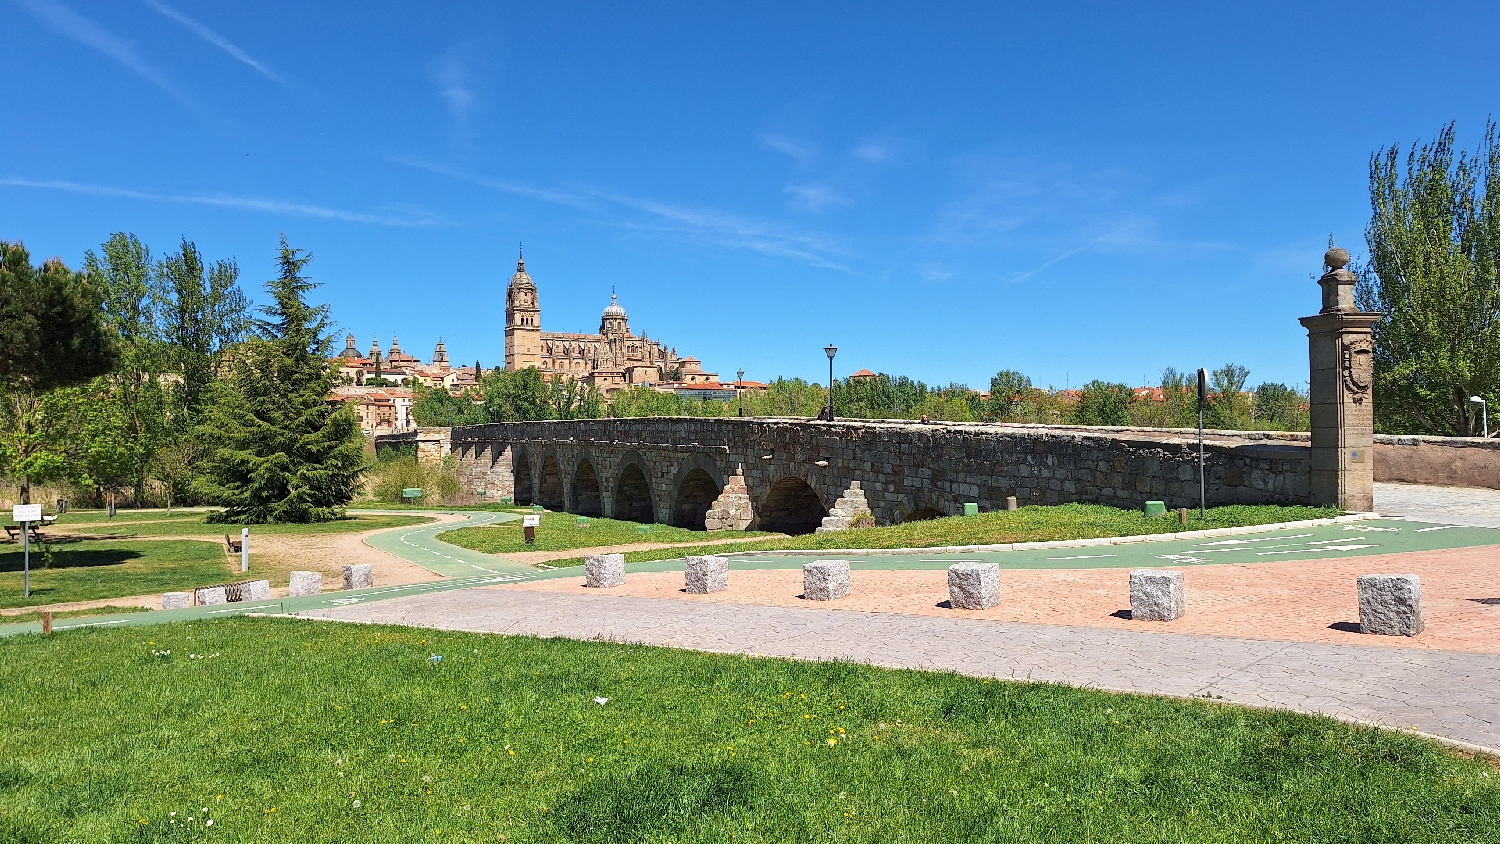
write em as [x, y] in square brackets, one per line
[26, 514]
[528, 527]
[244, 549]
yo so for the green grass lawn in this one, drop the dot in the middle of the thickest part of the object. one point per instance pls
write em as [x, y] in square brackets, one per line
[288, 731]
[196, 526]
[91, 570]
[560, 532]
[488, 506]
[1028, 524]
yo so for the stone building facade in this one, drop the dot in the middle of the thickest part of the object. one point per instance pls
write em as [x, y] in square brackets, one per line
[612, 360]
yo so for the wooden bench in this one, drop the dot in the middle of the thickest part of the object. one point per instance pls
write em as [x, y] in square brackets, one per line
[234, 544]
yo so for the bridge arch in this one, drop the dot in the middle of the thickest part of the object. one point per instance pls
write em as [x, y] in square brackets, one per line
[521, 466]
[586, 498]
[632, 498]
[791, 506]
[551, 483]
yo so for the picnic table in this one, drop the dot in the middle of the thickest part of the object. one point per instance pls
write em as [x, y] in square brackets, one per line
[14, 532]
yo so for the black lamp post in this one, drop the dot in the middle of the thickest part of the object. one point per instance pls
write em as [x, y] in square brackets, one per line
[831, 350]
[739, 387]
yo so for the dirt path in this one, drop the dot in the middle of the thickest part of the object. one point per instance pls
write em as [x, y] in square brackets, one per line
[531, 558]
[273, 558]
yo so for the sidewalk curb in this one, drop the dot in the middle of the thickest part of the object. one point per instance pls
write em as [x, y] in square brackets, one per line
[1063, 543]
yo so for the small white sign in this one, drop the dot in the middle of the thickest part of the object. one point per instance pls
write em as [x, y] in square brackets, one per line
[531, 521]
[26, 512]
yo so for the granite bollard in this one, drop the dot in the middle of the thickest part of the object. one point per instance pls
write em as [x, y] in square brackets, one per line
[602, 571]
[361, 576]
[1157, 595]
[1390, 604]
[256, 590]
[705, 574]
[176, 600]
[973, 586]
[826, 580]
[305, 583]
[212, 595]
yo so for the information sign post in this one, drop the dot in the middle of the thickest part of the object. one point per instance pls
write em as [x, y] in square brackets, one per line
[26, 514]
[528, 526]
[244, 549]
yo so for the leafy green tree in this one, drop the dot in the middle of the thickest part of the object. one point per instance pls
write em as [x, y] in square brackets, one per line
[1008, 391]
[436, 407]
[1434, 272]
[51, 336]
[572, 399]
[203, 314]
[645, 401]
[1103, 403]
[1279, 407]
[137, 392]
[277, 449]
[787, 397]
[1228, 407]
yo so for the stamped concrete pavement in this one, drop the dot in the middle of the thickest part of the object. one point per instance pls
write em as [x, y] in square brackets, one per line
[1451, 505]
[1447, 695]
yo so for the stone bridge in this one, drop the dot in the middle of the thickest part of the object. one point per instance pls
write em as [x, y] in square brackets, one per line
[788, 474]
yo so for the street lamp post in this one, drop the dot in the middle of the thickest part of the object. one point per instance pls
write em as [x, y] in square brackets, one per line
[830, 350]
[739, 390]
[1484, 410]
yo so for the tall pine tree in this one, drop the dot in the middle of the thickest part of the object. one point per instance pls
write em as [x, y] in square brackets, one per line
[278, 451]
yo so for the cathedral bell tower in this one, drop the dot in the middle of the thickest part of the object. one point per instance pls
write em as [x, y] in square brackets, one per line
[523, 321]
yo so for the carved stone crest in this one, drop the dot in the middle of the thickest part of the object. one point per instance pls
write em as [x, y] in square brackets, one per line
[1359, 367]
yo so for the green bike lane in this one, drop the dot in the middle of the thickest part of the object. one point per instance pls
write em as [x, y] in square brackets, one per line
[465, 569]
[1321, 542]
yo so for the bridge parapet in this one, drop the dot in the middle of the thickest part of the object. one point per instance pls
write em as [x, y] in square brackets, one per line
[672, 469]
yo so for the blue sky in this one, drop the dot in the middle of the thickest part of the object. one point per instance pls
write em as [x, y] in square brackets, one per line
[1071, 190]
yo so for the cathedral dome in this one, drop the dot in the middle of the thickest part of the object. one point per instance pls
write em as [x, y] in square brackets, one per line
[614, 309]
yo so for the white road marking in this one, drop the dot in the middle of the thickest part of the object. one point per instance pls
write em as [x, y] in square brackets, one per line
[1249, 541]
[1085, 557]
[1319, 548]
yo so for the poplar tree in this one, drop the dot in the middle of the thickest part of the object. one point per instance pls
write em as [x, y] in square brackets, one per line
[1434, 272]
[277, 449]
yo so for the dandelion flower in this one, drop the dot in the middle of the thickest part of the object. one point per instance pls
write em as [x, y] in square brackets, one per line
[209, 822]
[356, 804]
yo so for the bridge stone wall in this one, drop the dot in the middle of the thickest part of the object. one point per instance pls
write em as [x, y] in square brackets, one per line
[656, 467]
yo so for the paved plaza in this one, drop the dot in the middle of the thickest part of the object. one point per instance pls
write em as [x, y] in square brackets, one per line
[1448, 504]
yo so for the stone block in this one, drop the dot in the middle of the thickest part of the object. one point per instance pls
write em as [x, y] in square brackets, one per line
[305, 583]
[361, 576]
[255, 590]
[826, 580]
[1390, 604]
[601, 571]
[211, 595]
[973, 586]
[176, 600]
[705, 574]
[1156, 595]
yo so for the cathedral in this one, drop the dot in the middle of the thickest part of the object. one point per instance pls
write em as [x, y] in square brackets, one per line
[613, 359]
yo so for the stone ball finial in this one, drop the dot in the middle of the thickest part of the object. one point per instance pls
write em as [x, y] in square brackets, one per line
[1336, 258]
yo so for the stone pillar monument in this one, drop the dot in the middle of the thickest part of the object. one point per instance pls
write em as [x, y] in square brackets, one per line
[1341, 357]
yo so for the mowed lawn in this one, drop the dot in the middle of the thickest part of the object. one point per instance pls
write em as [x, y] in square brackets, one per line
[291, 731]
[1028, 524]
[561, 531]
[196, 525]
[90, 570]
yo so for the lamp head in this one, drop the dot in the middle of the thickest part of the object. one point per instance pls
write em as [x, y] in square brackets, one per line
[831, 350]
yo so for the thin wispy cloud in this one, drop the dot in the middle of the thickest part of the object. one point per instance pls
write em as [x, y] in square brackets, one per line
[705, 225]
[410, 219]
[68, 23]
[815, 197]
[799, 151]
[214, 38]
[450, 73]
